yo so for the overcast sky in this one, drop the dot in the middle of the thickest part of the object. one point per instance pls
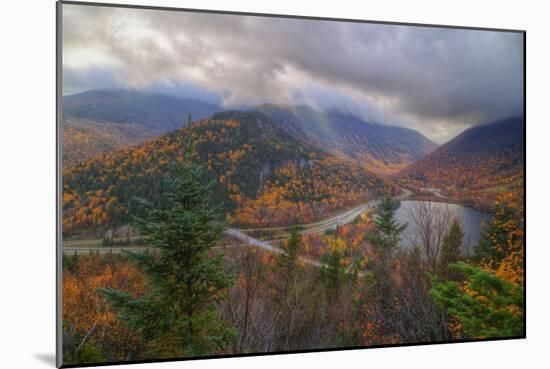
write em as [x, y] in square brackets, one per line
[438, 81]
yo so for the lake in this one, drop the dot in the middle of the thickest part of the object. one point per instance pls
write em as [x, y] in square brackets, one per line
[470, 219]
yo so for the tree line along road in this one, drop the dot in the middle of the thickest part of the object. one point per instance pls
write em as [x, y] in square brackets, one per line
[331, 223]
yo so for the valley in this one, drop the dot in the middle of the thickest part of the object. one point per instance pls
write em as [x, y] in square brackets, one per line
[380, 148]
[262, 176]
[475, 167]
[301, 191]
[272, 167]
[239, 184]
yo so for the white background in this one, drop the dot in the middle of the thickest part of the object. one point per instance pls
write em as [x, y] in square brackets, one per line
[27, 183]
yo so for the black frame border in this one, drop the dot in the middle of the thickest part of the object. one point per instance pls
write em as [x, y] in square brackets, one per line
[58, 112]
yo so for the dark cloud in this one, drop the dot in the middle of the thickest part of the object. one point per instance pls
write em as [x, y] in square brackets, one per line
[436, 80]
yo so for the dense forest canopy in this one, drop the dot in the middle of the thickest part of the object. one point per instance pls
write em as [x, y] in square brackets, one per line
[264, 177]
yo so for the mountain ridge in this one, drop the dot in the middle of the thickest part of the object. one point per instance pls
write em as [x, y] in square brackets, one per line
[98, 121]
[476, 165]
[154, 110]
[383, 149]
[263, 176]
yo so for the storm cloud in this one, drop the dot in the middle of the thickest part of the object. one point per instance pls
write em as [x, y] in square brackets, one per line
[436, 80]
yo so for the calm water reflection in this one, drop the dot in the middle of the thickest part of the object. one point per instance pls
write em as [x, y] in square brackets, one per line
[471, 221]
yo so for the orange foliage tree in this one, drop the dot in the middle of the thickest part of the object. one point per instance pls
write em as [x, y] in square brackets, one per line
[87, 319]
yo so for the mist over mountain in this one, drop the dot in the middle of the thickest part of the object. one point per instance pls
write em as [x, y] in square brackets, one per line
[102, 120]
[378, 147]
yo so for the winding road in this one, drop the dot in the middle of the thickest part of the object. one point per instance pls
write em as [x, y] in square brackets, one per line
[239, 234]
[251, 241]
[313, 228]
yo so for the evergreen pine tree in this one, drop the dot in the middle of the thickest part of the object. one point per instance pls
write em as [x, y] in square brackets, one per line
[385, 242]
[179, 316]
[487, 306]
[70, 262]
[388, 235]
[287, 261]
[288, 292]
[450, 251]
[333, 274]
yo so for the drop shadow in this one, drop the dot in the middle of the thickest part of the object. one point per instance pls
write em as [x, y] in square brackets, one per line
[46, 358]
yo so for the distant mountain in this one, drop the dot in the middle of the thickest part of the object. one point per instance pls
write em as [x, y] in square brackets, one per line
[104, 120]
[504, 137]
[475, 166]
[84, 138]
[264, 176]
[161, 113]
[101, 120]
[377, 147]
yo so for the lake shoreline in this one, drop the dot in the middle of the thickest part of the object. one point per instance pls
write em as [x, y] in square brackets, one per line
[472, 220]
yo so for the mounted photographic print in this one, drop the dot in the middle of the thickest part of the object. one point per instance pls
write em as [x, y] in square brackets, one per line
[239, 184]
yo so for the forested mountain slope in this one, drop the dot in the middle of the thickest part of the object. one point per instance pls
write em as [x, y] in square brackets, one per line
[264, 177]
[476, 165]
[380, 148]
[99, 121]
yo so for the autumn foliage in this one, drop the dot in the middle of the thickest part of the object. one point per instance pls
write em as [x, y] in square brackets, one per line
[474, 168]
[263, 176]
[346, 285]
[87, 319]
